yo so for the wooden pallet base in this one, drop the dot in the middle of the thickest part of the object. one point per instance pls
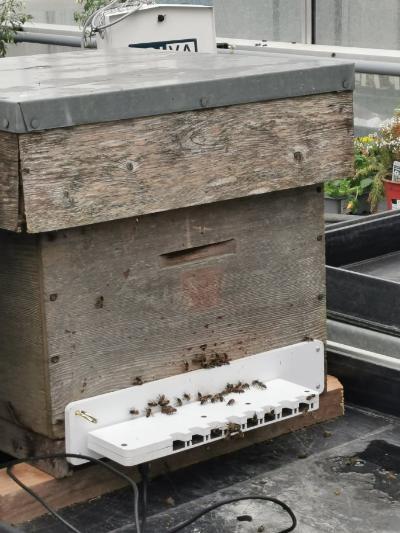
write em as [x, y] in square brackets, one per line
[16, 506]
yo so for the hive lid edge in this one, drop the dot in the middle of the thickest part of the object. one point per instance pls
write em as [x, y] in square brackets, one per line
[280, 78]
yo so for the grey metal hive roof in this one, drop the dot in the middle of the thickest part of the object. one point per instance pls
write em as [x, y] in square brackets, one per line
[60, 90]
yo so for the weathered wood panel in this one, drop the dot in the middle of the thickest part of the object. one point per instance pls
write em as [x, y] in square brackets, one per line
[79, 176]
[23, 368]
[116, 309]
[9, 181]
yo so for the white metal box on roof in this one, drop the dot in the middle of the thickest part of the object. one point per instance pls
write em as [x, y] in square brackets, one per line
[176, 27]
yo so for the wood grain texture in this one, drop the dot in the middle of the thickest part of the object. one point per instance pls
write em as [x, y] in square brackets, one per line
[9, 181]
[21, 442]
[101, 172]
[114, 313]
[17, 507]
[23, 367]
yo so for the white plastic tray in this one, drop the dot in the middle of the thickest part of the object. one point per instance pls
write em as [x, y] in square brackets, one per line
[294, 377]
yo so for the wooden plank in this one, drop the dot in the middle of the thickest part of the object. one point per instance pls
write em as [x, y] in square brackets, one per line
[128, 168]
[115, 310]
[23, 369]
[9, 181]
[18, 507]
[20, 442]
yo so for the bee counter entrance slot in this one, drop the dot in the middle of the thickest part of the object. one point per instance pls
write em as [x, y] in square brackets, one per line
[163, 417]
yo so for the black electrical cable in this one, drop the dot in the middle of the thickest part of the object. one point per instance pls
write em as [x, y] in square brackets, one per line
[145, 480]
[144, 471]
[285, 507]
[56, 515]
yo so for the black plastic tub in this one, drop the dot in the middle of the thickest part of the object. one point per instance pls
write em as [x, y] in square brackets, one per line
[363, 273]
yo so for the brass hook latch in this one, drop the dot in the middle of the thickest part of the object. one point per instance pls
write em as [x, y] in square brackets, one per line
[86, 416]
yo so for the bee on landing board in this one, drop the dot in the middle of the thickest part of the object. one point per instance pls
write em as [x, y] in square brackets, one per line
[259, 384]
[168, 410]
[162, 400]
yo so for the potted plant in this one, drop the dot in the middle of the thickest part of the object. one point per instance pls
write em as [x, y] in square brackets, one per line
[12, 19]
[388, 143]
[374, 156]
[348, 196]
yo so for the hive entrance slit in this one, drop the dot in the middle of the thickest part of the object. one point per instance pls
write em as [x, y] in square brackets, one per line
[197, 439]
[269, 417]
[215, 433]
[178, 445]
[286, 412]
[252, 422]
[304, 407]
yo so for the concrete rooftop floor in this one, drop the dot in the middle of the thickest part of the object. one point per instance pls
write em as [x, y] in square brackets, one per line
[339, 477]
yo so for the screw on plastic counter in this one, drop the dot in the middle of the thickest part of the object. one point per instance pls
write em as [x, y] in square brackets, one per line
[4, 123]
[35, 123]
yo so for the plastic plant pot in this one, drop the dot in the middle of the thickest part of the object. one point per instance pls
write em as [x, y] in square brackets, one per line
[392, 194]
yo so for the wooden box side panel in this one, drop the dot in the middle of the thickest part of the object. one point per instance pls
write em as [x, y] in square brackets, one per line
[9, 181]
[23, 390]
[101, 172]
[143, 296]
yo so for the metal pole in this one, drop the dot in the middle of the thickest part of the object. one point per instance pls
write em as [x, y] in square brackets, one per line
[308, 22]
[48, 38]
[375, 67]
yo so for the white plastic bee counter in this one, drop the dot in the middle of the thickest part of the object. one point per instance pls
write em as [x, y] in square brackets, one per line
[168, 416]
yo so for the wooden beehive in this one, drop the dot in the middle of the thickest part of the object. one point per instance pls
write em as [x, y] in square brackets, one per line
[154, 207]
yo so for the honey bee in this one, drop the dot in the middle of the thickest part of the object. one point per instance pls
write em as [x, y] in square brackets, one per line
[217, 398]
[152, 403]
[186, 366]
[259, 384]
[226, 359]
[228, 389]
[311, 397]
[204, 399]
[238, 388]
[234, 431]
[133, 411]
[148, 412]
[231, 402]
[162, 401]
[168, 410]
[179, 402]
[187, 397]
[199, 359]
[137, 381]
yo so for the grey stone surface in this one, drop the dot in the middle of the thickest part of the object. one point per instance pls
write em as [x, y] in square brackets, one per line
[339, 477]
